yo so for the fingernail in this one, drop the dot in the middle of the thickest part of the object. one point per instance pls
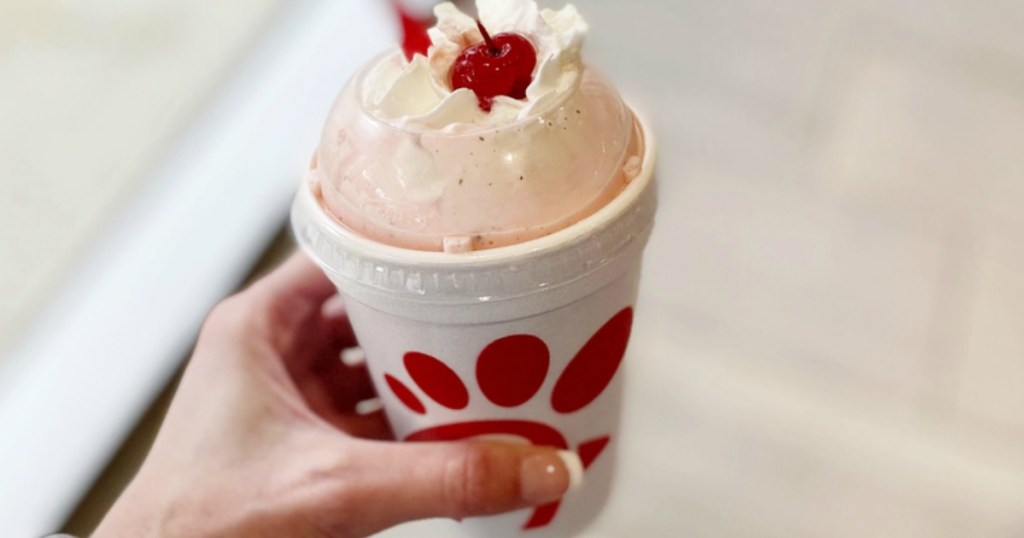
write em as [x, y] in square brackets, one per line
[353, 356]
[547, 477]
[574, 465]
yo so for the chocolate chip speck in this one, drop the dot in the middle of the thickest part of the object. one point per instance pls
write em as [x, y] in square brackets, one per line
[520, 178]
[481, 139]
[550, 124]
[578, 111]
[460, 181]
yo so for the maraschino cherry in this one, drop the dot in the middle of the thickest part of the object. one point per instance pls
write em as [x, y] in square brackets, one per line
[502, 65]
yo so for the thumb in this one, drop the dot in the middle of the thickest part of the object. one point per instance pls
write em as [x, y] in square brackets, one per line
[400, 482]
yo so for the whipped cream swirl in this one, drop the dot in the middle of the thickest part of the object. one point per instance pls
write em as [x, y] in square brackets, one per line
[418, 94]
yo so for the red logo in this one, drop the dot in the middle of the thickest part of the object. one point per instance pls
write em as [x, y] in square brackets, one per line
[510, 372]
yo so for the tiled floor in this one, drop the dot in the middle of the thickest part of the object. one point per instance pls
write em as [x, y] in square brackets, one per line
[840, 232]
[829, 337]
[92, 92]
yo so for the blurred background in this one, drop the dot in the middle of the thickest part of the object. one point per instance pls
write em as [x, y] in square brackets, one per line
[830, 340]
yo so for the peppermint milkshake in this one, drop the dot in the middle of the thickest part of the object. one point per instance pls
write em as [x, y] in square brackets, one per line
[483, 206]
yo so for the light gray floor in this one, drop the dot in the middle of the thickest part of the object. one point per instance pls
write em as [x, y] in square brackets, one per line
[92, 94]
[829, 341]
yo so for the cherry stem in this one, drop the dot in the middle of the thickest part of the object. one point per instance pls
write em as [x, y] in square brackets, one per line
[494, 50]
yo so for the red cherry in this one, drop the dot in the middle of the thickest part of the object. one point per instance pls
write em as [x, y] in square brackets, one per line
[502, 65]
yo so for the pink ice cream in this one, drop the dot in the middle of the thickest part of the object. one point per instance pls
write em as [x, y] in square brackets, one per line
[407, 162]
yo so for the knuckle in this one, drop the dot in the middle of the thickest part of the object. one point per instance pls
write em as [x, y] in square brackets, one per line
[329, 495]
[223, 315]
[337, 509]
[232, 315]
[468, 481]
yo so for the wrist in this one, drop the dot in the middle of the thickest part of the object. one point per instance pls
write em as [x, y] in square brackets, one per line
[159, 507]
[126, 518]
[139, 512]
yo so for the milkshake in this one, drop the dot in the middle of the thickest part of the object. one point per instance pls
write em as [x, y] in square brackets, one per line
[483, 207]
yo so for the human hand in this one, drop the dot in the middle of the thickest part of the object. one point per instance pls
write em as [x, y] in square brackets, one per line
[262, 438]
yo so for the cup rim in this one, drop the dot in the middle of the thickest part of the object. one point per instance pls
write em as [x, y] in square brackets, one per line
[366, 248]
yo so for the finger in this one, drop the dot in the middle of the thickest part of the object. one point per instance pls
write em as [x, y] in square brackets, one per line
[398, 482]
[333, 327]
[298, 278]
[333, 392]
[317, 342]
[334, 308]
[289, 299]
[349, 384]
[371, 426]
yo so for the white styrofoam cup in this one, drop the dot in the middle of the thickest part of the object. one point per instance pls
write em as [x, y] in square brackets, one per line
[523, 342]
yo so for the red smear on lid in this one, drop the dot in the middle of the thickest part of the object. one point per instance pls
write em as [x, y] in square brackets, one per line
[414, 32]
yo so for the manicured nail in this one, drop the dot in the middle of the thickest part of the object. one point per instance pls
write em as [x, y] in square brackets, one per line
[574, 465]
[547, 477]
[353, 356]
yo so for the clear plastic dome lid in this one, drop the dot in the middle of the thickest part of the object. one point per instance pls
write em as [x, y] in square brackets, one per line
[475, 186]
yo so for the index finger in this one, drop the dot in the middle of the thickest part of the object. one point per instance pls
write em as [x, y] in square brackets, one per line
[298, 278]
[290, 298]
